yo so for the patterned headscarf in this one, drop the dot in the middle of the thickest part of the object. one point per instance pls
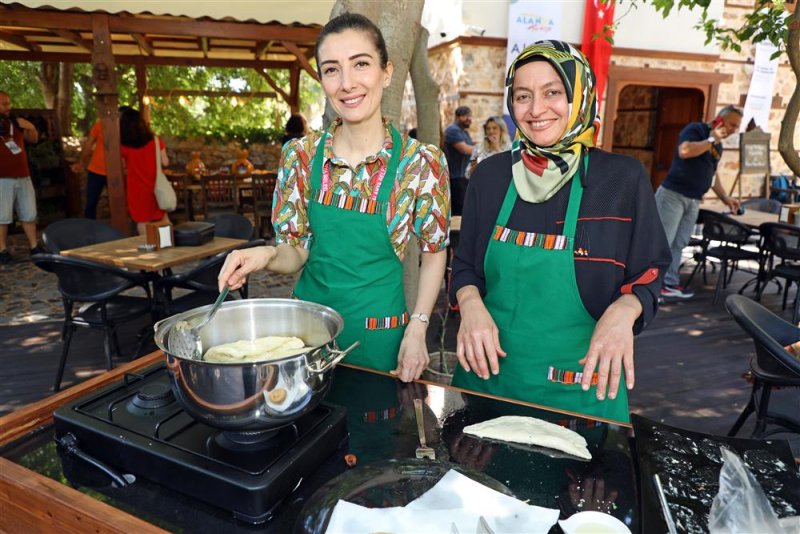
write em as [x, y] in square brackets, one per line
[553, 166]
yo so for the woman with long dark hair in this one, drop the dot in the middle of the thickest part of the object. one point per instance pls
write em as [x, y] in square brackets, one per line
[347, 203]
[139, 155]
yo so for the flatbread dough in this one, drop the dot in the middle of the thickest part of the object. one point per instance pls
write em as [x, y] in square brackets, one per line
[531, 431]
[255, 350]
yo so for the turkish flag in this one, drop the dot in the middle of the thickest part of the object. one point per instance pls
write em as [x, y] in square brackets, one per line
[598, 19]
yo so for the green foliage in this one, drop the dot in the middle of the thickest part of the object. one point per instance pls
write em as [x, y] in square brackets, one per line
[768, 21]
[20, 81]
[249, 120]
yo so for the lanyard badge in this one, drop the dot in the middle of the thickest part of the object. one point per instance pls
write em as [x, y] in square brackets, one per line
[11, 144]
[13, 147]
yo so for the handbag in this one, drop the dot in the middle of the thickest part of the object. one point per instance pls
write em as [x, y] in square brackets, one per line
[165, 194]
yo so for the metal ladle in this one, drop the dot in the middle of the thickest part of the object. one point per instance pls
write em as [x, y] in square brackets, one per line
[184, 340]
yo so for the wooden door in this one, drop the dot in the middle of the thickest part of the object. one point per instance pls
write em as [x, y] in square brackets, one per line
[676, 108]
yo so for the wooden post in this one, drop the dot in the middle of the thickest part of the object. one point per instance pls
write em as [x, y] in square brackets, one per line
[294, 89]
[141, 89]
[104, 77]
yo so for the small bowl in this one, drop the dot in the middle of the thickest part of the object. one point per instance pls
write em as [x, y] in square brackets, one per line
[593, 523]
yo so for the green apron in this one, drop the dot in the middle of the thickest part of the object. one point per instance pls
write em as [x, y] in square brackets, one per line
[353, 268]
[533, 297]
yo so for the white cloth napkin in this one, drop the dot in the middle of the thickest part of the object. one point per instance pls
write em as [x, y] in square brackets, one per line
[455, 499]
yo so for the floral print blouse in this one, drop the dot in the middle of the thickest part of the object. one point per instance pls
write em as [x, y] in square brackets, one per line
[419, 202]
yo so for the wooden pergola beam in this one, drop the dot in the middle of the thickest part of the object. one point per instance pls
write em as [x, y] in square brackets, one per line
[294, 89]
[222, 30]
[31, 18]
[104, 76]
[217, 94]
[144, 45]
[262, 48]
[34, 18]
[204, 46]
[301, 57]
[274, 86]
[19, 40]
[147, 60]
[74, 38]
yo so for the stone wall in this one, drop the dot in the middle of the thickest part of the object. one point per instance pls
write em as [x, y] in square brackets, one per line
[470, 72]
[215, 154]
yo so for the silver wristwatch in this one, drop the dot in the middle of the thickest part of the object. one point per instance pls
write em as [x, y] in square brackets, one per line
[711, 139]
[423, 317]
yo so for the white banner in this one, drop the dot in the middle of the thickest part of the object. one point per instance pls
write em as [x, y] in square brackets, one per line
[531, 21]
[762, 85]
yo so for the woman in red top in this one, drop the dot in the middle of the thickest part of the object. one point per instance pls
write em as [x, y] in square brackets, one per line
[139, 156]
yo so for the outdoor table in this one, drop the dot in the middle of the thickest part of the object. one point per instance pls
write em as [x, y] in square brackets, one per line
[124, 253]
[36, 491]
[750, 218]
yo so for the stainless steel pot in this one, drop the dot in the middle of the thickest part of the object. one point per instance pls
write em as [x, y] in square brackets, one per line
[262, 395]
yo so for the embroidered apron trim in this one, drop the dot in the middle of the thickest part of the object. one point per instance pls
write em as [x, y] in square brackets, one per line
[373, 416]
[578, 424]
[531, 239]
[348, 202]
[385, 323]
[567, 377]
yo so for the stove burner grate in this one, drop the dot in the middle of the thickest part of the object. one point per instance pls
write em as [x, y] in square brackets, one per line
[138, 427]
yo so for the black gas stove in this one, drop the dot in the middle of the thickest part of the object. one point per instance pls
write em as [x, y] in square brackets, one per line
[137, 427]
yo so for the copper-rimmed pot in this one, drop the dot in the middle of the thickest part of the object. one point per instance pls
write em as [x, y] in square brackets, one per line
[261, 395]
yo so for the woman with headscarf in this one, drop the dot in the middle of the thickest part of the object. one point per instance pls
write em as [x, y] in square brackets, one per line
[561, 253]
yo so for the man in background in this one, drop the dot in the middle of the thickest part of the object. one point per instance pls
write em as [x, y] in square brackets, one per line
[691, 174]
[96, 171]
[457, 150]
[16, 188]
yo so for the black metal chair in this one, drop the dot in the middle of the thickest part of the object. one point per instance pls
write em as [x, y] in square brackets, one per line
[767, 205]
[696, 241]
[772, 366]
[100, 287]
[201, 280]
[781, 242]
[732, 236]
[232, 225]
[74, 233]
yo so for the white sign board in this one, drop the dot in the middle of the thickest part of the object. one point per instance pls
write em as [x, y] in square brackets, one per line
[762, 85]
[531, 21]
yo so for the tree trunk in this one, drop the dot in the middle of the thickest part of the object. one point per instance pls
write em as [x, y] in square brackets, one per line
[399, 26]
[786, 140]
[63, 105]
[48, 80]
[426, 92]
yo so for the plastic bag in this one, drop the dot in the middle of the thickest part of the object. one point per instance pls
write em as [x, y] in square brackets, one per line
[740, 505]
